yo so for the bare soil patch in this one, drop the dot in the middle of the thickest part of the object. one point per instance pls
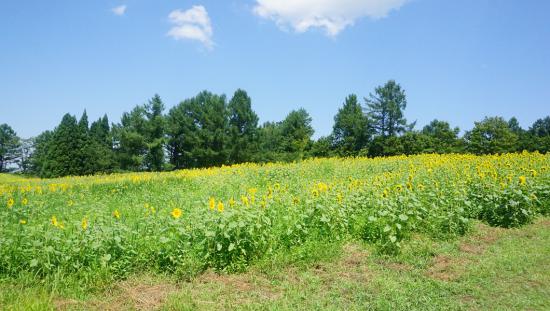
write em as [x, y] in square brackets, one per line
[447, 268]
[126, 295]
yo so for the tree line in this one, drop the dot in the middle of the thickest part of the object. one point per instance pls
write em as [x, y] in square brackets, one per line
[210, 130]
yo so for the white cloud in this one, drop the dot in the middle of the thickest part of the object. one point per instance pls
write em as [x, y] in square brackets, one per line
[193, 24]
[119, 10]
[332, 16]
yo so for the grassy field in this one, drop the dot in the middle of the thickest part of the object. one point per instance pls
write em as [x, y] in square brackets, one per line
[421, 232]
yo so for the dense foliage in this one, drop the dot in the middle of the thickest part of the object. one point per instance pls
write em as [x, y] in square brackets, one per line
[209, 130]
[226, 218]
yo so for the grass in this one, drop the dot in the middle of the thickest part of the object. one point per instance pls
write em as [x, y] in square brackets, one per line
[488, 269]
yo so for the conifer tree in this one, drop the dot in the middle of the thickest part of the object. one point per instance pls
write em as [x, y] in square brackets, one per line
[243, 128]
[9, 145]
[296, 133]
[351, 131]
[385, 107]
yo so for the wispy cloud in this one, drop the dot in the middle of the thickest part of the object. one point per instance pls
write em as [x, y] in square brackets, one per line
[193, 24]
[332, 16]
[119, 10]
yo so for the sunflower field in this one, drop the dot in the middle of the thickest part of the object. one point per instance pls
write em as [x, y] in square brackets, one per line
[226, 218]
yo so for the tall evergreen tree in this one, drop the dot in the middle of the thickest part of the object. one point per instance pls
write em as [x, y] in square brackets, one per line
[296, 133]
[271, 142]
[129, 140]
[385, 108]
[40, 162]
[65, 151]
[9, 145]
[155, 136]
[514, 126]
[539, 134]
[182, 133]
[86, 153]
[83, 122]
[100, 131]
[541, 127]
[198, 131]
[24, 155]
[243, 128]
[101, 145]
[351, 131]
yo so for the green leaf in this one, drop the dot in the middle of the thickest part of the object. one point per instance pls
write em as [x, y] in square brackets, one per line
[106, 257]
[231, 247]
[33, 263]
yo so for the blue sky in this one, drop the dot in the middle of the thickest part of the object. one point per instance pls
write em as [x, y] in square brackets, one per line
[457, 60]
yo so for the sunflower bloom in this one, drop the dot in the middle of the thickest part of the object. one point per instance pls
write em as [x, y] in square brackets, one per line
[24, 201]
[10, 202]
[522, 180]
[54, 221]
[22, 221]
[116, 214]
[212, 203]
[220, 206]
[176, 213]
[84, 224]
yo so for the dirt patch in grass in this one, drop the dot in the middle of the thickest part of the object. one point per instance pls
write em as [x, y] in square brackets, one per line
[353, 256]
[65, 304]
[253, 286]
[484, 237]
[398, 266]
[352, 266]
[250, 282]
[447, 268]
[139, 294]
[147, 296]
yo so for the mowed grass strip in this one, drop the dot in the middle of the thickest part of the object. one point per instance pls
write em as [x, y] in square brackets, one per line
[489, 269]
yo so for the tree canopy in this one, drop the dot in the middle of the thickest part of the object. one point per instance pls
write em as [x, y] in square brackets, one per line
[208, 130]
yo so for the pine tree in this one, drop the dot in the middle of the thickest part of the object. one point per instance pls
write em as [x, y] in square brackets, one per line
[385, 108]
[40, 162]
[270, 142]
[296, 133]
[9, 145]
[101, 142]
[351, 131]
[130, 141]
[243, 128]
[198, 131]
[65, 151]
[155, 136]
